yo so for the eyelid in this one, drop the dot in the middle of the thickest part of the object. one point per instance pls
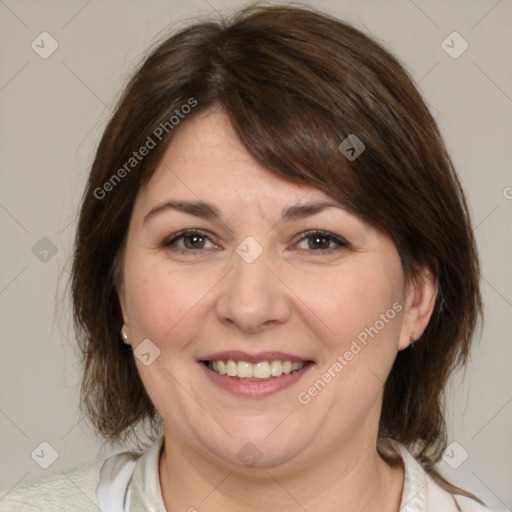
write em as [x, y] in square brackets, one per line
[187, 232]
[341, 242]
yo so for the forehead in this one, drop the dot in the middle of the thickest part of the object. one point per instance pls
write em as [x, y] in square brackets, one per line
[206, 157]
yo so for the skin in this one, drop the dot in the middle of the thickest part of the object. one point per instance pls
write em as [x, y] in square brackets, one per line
[311, 302]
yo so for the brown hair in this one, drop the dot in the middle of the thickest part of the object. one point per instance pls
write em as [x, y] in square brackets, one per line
[294, 83]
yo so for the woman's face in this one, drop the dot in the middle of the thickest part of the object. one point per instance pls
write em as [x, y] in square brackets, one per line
[266, 272]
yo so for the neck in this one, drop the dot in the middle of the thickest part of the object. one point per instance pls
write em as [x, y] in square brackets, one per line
[345, 480]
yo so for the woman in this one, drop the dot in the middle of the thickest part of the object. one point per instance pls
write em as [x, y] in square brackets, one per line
[275, 269]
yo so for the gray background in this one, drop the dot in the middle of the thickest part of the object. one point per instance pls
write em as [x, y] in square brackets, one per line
[53, 111]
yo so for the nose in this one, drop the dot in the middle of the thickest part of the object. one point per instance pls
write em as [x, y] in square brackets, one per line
[252, 297]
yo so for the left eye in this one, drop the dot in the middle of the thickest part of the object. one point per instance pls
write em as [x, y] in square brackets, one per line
[320, 241]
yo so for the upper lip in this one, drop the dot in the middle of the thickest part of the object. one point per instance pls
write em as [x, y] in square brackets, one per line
[239, 355]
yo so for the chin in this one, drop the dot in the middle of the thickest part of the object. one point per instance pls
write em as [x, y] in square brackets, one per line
[254, 448]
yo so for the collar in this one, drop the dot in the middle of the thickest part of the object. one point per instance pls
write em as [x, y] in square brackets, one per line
[146, 493]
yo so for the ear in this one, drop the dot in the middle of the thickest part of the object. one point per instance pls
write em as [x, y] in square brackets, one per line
[420, 300]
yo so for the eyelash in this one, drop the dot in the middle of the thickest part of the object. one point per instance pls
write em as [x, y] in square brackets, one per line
[169, 243]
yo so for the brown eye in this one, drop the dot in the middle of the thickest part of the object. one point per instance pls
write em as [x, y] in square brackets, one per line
[320, 241]
[194, 241]
[189, 241]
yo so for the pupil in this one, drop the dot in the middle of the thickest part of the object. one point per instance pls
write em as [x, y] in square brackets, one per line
[319, 242]
[194, 241]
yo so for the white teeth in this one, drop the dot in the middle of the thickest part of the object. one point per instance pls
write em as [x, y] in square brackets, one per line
[231, 368]
[244, 370]
[221, 366]
[276, 368]
[262, 370]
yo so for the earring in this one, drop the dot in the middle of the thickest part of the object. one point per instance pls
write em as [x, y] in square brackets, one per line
[412, 339]
[124, 335]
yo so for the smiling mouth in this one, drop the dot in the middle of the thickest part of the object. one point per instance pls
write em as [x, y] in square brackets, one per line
[261, 371]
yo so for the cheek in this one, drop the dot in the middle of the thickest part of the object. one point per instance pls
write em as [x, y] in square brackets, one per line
[351, 301]
[365, 313]
[358, 319]
[161, 301]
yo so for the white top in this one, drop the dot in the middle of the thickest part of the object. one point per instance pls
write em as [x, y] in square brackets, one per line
[127, 482]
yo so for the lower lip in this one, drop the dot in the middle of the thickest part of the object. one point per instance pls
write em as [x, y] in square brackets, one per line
[252, 388]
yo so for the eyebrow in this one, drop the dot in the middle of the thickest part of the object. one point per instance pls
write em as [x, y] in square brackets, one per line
[196, 208]
[299, 211]
[209, 211]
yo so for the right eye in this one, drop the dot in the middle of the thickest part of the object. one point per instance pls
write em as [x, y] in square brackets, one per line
[189, 240]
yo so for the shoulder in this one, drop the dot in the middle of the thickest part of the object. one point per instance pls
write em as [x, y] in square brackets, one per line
[75, 491]
[469, 505]
[104, 485]
[441, 500]
[56, 493]
[422, 493]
